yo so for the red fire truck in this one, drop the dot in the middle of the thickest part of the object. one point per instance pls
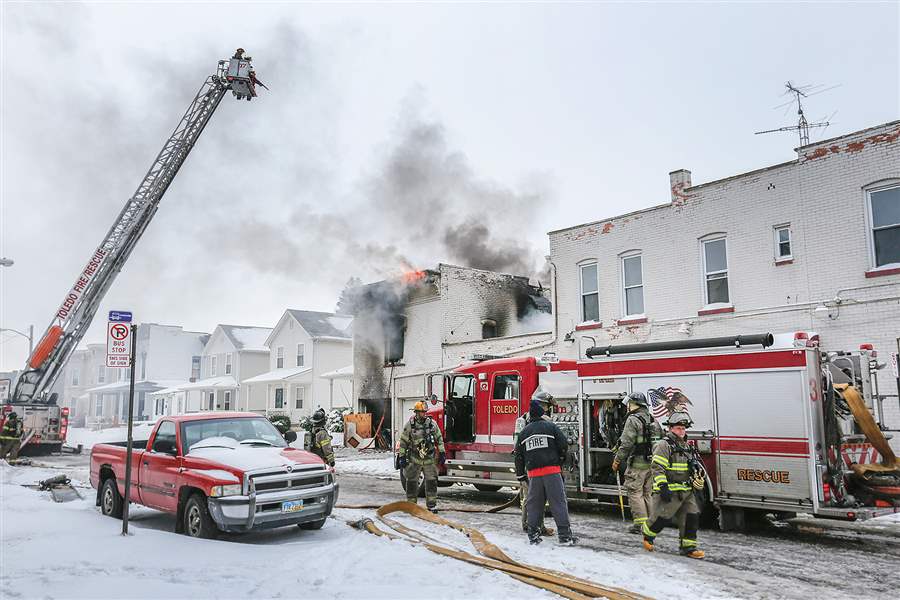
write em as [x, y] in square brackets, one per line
[772, 421]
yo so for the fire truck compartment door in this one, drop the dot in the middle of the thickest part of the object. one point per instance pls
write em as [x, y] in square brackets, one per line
[505, 395]
[763, 446]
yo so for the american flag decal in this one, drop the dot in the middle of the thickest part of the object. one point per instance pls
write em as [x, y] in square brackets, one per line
[666, 400]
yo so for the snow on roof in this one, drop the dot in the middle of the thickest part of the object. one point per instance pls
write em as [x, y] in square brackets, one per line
[323, 324]
[279, 375]
[247, 338]
[342, 373]
[211, 383]
[139, 386]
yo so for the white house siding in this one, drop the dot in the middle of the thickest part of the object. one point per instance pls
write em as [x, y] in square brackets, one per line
[330, 355]
[822, 196]
[252, 363]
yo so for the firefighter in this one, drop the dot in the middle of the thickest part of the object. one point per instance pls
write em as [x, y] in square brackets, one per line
[546, 401]
[673, 488]
[10, 437]
[421, 451]
[238, 54]
[540, 451]
[320, 439]
[639, 434]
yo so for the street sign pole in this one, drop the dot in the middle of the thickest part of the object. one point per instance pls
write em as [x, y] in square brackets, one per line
[130, 439]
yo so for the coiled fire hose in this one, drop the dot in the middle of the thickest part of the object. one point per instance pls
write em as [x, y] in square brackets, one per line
[491, 557]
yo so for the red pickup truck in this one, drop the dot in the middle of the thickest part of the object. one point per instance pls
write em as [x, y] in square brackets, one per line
[230, 472]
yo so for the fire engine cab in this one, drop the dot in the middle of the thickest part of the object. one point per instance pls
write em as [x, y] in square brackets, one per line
[781, 426]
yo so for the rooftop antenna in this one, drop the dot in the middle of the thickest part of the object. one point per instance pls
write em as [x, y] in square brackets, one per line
[803, 126]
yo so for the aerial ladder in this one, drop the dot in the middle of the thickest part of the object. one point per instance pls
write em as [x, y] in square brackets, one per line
[44, 423]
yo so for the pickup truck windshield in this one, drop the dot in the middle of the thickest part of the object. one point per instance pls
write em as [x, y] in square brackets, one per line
[247, 430]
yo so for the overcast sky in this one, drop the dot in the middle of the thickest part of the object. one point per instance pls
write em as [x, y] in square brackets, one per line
[393, 134]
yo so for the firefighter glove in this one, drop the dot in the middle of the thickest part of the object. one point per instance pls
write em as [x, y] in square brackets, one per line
[697, 481]
[664, 492]
[401, 462]
[442, 458]
[615, 465]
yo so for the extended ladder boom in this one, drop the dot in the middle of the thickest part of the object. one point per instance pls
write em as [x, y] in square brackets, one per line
[77, 310]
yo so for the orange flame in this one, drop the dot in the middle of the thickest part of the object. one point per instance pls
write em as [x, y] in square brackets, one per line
[411, 277]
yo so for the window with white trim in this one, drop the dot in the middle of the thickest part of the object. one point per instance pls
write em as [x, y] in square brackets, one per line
[299, 394]
[279, 397]
[212, 366]
[228, 364]
[715, 270]
[212, 401]
[300, 356]
[75, 377]
[279, 357]
[590, 296]
[783, 242]
[101, 374]
[633, 284]
[227, 404]
[884, 207]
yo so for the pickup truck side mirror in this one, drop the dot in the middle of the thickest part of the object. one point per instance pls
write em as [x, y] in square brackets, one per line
[290, 436]
[165, 447]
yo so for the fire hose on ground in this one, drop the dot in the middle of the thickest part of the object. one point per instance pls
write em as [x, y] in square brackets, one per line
[489, 556]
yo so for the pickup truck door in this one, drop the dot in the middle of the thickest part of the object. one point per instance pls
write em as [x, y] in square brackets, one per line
[160, 469]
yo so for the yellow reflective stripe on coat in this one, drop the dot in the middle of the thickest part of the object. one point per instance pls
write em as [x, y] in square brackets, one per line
[678, 467]
[661, 460]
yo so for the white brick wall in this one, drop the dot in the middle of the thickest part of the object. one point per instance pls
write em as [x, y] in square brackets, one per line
[822, 196]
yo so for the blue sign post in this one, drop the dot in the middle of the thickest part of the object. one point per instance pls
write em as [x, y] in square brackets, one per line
[120, 316]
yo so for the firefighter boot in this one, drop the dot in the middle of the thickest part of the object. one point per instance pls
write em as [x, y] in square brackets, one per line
[692, 552]
[433, 509]
[534, 536]
[689, 539]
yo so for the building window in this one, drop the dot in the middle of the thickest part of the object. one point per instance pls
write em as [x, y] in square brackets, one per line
[590, 297]
[279, 397]
[299, 393]
[213, 366]
[101, 374]
[212, 401]
[98, 408]
[228, 364]
[143, 365]
[488, 329]
[783, 242]
[715, 268]
[227, 405]
[279, 357]
[75, 377]
[195, 368]
[885, 207]
[633, 284]
[299, 355]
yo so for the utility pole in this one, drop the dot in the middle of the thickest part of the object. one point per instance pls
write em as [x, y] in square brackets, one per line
[29, 335]
[128, 452]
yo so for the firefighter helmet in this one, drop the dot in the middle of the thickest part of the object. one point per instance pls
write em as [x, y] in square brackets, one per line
[318, 417]
[638, 398]
[420, 407]
[679, 417]
[544, 397]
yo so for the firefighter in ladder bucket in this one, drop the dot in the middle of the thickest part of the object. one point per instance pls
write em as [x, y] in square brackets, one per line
[641, 431]
[676, 474]
[421, 450]
[242, 76]
[540, 451]
[546, 401]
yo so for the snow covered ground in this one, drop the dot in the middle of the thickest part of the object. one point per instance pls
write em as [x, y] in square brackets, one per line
[379, 464]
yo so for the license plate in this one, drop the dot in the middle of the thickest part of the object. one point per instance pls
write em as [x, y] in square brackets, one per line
[291, 506]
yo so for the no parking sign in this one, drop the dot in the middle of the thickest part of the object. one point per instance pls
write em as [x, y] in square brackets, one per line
[118, 340]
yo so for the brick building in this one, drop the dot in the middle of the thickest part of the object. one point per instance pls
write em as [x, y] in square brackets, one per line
[811, 244]
[434, 320]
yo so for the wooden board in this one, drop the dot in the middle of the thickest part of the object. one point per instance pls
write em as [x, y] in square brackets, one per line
[363, 422]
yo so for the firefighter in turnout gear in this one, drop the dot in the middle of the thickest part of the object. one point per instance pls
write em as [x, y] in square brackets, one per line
[10, 437]
[545, 399]
[540, 451]
[421, 451]
[320, 439]
[673, 488]
[641, 431]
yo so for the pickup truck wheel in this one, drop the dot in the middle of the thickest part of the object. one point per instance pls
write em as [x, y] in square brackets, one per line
[197, 522]
[312, 525]
[111, 502]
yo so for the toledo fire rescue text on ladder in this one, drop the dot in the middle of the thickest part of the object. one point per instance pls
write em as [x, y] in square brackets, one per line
[44, 422]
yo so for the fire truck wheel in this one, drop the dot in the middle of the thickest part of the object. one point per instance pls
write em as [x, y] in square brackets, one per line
[421, 491]
[111, 502]
[481, 487]
[197, 522]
